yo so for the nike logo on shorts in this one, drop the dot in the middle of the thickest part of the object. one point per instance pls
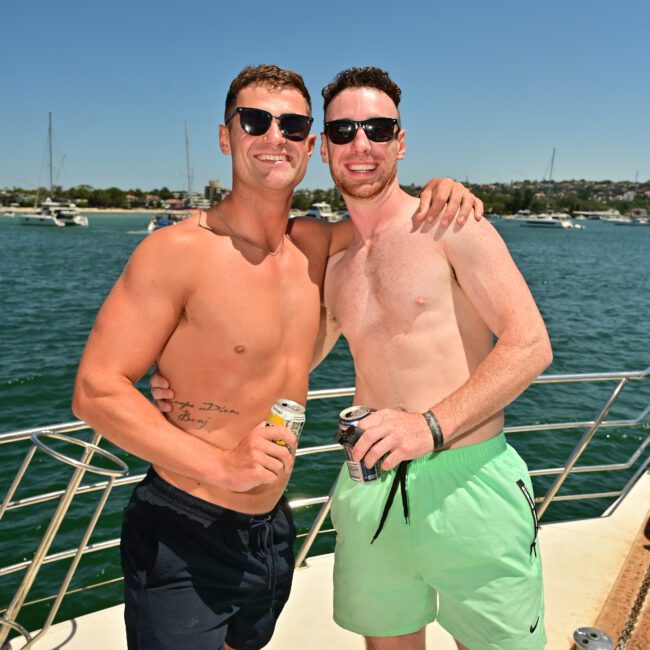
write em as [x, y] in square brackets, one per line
[534, 627]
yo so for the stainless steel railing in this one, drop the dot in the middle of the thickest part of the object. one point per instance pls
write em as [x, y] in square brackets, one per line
[117, 477]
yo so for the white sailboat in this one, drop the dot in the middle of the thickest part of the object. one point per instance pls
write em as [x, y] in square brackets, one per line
[550, 219]
[164, 219]
[53, 213]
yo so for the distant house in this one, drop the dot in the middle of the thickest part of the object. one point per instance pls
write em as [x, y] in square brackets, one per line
[173, 204]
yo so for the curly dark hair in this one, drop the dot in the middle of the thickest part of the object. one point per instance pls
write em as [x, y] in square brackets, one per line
[368, 77]
[270, 76]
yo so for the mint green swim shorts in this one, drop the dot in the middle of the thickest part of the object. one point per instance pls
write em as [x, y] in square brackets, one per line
[469, 556]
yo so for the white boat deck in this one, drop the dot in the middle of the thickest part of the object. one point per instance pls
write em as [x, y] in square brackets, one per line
[582, 560]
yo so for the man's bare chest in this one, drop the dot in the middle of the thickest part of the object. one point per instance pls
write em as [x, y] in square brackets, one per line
[388, 287]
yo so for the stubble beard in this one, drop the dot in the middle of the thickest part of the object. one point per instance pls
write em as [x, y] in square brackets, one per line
[359, 190]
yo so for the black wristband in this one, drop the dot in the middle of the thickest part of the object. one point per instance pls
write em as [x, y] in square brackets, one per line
[436, 431]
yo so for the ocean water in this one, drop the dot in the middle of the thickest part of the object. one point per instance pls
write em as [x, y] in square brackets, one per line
[592, 286]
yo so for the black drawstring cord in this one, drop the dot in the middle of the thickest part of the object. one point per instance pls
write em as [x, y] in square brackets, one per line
[400, 479]
[263, 532]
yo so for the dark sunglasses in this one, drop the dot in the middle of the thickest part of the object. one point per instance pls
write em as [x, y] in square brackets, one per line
[378, 129]
[255, 121]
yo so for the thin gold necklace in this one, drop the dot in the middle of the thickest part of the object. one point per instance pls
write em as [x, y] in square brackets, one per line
[277, 251]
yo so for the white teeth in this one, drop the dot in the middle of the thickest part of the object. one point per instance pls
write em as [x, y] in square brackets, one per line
[266, 156]
[362, 168]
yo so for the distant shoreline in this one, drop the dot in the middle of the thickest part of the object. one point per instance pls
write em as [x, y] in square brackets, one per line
[94, 210]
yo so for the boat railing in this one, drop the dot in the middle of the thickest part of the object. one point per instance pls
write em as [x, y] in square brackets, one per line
[117, 476]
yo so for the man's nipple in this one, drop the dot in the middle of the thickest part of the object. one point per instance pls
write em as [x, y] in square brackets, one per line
[239, 349]
[419, 300]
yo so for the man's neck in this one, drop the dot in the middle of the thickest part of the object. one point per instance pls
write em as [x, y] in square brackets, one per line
[260, 216]
[368, 215]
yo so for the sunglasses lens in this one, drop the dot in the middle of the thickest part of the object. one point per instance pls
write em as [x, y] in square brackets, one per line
[254, 121]
[341, 131]
[379, 129]
[295, 127]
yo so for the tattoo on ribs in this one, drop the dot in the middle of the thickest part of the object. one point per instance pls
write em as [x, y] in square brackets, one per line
[188, 412]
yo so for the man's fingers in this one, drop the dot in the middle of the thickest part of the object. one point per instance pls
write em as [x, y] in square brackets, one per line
[276, 433]
[163, 407]
[162, 393]
[274, 462]
[370, 437]
[277, 456]
[377, 451]
[465, 209]
[391, 461]
[479, 209]
[158, 381]
[425, 200]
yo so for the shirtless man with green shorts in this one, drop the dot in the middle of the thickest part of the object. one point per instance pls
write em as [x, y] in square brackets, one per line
[420, 305]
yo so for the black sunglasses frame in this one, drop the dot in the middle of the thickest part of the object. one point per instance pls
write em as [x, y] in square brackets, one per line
[289, 134]
[367, 125]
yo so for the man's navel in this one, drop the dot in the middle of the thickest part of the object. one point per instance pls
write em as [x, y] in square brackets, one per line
[240, 349]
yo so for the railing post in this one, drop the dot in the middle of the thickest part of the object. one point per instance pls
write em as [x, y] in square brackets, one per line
[579, 448]
[315, 527]
[11, 614]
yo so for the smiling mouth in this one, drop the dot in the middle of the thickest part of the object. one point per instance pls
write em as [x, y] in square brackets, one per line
[362, 167]
[268, 157]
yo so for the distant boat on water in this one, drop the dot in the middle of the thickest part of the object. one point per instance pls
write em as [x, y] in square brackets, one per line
[320, 210]
[53, 213]
[549, 218]
[166, 219]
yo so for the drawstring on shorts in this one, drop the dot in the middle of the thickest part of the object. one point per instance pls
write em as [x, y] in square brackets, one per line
[400, 479]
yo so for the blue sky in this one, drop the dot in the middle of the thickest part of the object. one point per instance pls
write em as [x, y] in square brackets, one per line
[489, 88]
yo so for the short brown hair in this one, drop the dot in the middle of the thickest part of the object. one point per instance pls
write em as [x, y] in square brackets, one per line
[270, 76]
[368, 77]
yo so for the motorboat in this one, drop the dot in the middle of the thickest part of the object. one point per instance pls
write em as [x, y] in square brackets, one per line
[54, 213]
[164, 219]
[549, 220]
[320, 210]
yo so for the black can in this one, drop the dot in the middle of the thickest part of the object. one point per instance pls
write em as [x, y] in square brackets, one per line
[348, 434]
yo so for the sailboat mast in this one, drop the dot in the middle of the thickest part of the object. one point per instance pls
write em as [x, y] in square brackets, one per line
[49, 140]
[187, 160]
[550, 177]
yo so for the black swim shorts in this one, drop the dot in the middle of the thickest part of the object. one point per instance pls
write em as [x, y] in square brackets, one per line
[197, 575]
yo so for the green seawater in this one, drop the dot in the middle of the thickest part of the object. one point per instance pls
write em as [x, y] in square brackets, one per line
[592, 285]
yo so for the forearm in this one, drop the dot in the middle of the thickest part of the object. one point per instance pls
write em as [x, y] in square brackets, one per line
[118, 411]
[504, 374]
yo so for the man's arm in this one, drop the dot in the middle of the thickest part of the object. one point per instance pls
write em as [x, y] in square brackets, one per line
[496, 288]
[504, 301]
[133, 325]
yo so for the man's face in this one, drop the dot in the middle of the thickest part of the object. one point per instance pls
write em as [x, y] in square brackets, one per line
[362, 169]
[269, 160]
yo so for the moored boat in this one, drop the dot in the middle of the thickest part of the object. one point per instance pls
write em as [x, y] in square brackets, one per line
[549, 220]
[53, 213]
[320, 210]
[164, 219]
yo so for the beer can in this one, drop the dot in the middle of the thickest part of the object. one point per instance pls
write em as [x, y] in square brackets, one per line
[348, 434]
[289, 414]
